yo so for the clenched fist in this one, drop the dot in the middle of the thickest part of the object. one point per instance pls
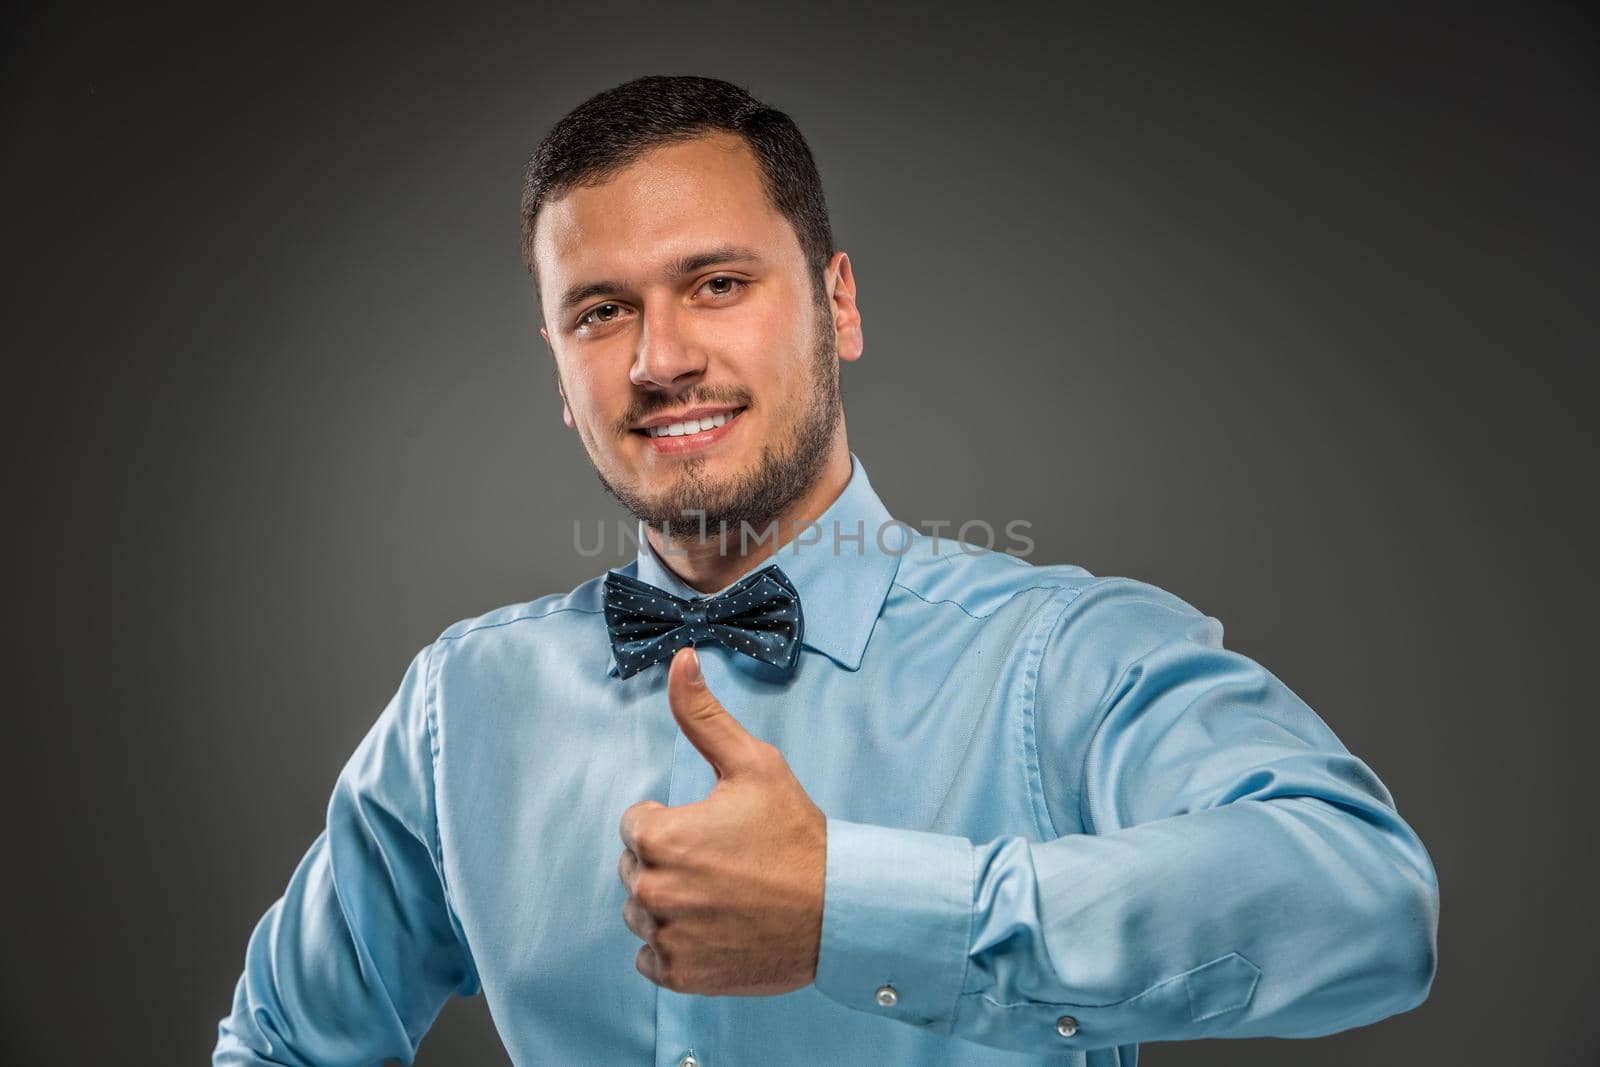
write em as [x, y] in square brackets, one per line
[726, 893]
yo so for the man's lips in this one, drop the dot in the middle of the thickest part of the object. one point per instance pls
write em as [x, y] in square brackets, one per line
[692, 442]
[704, 411]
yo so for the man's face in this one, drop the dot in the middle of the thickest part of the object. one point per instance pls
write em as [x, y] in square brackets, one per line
[674, 289]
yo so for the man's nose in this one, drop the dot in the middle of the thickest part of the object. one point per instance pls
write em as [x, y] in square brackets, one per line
[666, 356]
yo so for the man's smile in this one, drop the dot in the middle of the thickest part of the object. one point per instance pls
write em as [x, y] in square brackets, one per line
[698, 429]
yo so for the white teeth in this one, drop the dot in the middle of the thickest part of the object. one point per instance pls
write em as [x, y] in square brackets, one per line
[678, 429]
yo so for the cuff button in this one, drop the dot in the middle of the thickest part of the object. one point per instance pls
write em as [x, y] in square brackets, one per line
[1066, 1026]
[886, 996]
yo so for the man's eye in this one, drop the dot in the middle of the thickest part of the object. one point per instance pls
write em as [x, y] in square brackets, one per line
[733, 285]
[595, 316]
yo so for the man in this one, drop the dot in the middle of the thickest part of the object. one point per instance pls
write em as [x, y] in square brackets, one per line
[800, 784]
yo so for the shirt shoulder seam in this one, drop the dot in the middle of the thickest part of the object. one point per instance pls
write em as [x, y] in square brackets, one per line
[454, 634]
[963, 608]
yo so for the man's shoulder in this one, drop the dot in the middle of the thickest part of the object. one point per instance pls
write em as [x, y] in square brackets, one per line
[551, 609]
[980, 581]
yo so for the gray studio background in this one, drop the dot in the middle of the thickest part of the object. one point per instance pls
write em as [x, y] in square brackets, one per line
[1283, 312]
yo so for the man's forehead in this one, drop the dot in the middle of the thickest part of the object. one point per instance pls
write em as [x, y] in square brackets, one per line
[676, 200]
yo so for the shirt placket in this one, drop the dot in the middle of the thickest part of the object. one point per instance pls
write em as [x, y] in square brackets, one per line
[684, 1027]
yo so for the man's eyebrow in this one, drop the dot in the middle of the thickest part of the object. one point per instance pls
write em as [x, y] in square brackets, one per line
[701, 260]
[676, 269]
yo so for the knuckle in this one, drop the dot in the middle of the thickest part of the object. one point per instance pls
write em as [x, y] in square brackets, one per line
[647, 838]
[637, 816]
[660, 842]
[670, 946]
[669, 974]
[650, 894]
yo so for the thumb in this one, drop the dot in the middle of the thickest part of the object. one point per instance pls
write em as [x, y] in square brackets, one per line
[725, 744]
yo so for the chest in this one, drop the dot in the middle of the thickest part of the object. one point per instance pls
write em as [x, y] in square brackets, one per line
[538, 764]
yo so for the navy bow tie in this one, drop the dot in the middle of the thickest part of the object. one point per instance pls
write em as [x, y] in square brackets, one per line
[759, 615]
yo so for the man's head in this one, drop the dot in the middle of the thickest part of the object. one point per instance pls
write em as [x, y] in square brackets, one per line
[676, 231]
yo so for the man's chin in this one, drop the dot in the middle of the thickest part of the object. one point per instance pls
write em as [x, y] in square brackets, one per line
[714, 493]
[686, 515]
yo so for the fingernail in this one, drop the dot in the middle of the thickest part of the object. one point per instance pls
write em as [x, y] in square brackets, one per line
[694, 666]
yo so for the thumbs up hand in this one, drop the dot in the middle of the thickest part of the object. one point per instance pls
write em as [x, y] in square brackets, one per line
[726, 893]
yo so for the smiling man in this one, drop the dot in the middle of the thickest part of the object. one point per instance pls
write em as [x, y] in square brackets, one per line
[800, 784]
[677, 291]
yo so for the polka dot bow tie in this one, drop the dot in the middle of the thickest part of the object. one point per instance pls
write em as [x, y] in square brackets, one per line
[759, 615]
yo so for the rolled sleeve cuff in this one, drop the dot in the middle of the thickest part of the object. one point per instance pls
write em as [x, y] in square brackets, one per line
[897, 913]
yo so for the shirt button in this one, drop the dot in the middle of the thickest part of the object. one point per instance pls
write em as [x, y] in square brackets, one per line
[688, 1060]
[1066, 1026]
[887, 996]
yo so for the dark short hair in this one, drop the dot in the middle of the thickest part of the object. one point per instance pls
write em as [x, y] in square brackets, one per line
[614, 128]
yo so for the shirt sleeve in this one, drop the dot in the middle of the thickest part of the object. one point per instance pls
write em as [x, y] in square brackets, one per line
[1241, 874]
[353, 963]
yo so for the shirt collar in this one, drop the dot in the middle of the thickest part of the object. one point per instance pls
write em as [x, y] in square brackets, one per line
[842, 568]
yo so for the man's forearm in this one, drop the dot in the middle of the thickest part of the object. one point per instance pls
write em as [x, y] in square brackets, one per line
[1287, 917]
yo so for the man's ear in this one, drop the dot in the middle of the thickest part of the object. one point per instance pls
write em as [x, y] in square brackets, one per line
[842, 305]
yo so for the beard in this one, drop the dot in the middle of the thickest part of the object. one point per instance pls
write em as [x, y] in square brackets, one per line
[697, 505]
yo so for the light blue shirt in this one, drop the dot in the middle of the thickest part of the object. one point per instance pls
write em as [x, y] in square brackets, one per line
[1062, 820]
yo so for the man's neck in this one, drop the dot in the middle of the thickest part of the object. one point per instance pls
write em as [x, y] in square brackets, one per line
[710, 564]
